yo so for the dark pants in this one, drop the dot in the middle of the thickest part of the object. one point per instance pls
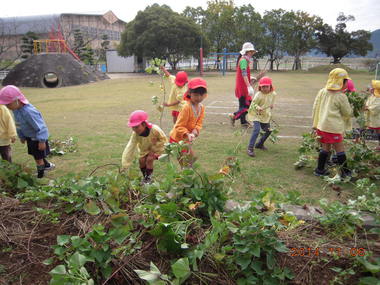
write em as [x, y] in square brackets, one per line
[242, 112]
[256, 131]
[34, 151]
[6, 152]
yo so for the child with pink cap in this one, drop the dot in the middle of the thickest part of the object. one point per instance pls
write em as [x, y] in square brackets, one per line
[178, 89]
[8, 133]
[31, 126]
[260, 112]
[149, 139]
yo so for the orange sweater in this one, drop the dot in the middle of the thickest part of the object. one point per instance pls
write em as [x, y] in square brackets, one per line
[187, 122]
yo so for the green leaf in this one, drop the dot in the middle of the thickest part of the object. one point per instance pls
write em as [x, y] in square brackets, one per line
[148, 276]
[21, 183]
[92, 208]
[281, 247]
[181, 268]
[63, 239]
[48, 261]
[58, 270]
[256, 250]
[78, 260]
[243, 261]
[369, 281]
[120, 234]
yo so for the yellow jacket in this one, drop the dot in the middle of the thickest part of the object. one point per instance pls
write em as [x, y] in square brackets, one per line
[7, 126]
[154, 142]
[187, 121]
[372, 115]
[264, 101]
[176, 94]
[332, 112]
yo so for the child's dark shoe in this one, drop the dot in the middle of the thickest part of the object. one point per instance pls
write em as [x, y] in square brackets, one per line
[232, 119]
[250, 152]
[262, 147]
[49, 166]
[323, 172]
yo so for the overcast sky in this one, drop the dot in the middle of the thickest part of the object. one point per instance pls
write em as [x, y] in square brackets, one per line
[366, 12]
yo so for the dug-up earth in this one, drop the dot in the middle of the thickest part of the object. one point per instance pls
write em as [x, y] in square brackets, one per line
[26, 239]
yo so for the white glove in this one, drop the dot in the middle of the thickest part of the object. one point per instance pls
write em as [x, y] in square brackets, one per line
[250, 90]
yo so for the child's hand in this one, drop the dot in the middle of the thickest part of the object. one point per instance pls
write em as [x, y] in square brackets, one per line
[22, 141]
[41, 146]
[271, 106]
[13, 140]
[190, 137]
[195, 132]
[259, 110]
[366, 108]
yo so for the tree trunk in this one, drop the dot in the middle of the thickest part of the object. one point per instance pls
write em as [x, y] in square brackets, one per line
[297, 63]
[337, 59]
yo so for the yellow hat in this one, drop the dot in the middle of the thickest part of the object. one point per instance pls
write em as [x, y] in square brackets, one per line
[376, 87]
[336, 77]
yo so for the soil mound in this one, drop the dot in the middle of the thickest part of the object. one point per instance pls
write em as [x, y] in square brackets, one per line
[51, 70]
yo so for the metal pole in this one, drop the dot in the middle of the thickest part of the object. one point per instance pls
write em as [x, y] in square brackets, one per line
[201, 61]
[224, 61]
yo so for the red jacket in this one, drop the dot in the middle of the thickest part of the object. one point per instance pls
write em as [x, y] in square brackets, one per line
[240, 87]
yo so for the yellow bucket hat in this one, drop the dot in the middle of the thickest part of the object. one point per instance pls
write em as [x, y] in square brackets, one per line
[376, 87]
[336, 77]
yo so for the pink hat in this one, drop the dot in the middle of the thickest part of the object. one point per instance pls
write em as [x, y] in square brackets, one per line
[350, 86]
[138, 117]
[11, 93]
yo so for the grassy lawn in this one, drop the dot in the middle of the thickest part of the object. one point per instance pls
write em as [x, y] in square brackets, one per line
[96, 115]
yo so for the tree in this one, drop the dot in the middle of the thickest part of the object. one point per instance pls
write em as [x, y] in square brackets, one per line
[104, 46]
[159, 32]
[27, 44]
[339, 43]
[274, 34]
[219, 25]
[83, 50]
[300, 34]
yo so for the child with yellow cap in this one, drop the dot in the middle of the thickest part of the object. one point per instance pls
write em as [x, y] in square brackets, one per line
[178, 89]
[149, 139]
[372, 109]
[331, 118]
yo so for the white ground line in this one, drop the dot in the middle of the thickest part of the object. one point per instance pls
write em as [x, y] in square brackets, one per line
[290, 137]
[277, 115]
[279, 103]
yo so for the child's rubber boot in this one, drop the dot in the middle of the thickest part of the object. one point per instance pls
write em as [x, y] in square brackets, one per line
[322, 158]
[40, 171]
[250, 152]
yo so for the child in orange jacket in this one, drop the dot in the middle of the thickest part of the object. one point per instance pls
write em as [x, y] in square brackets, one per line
[190, 119]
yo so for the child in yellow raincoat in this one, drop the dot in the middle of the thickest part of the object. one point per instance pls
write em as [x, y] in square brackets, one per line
[332, 115]
[8, 133]
[178, 89]
[260, 112]
[372, 110]
[149, 139]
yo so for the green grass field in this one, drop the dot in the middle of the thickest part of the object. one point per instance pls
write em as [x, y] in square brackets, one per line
[96, 115]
